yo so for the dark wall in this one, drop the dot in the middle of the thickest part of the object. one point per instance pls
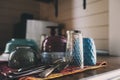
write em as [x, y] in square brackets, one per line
[10, 11]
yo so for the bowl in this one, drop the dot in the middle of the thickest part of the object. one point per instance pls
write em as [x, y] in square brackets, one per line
[22, 57]
[13, 43]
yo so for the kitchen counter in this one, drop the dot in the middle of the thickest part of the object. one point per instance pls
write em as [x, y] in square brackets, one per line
[113, 63]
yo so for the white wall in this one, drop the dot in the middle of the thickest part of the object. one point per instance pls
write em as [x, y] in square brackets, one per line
[35, 28]
[114, 27]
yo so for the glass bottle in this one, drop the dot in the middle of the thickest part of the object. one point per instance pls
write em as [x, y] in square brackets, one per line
[53, 47]
[22, 57]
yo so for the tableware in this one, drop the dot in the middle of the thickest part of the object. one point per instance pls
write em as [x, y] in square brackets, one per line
[74, 48]
[13, 43]
[23, 57]
[24, 74]
[48, 71]
[54, 46]
[58, 66]
[23, 71]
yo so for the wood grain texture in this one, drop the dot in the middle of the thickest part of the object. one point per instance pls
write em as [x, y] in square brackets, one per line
[10, 11]
[93, 22]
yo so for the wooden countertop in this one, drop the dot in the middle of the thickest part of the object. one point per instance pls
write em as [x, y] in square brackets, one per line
[112, 64]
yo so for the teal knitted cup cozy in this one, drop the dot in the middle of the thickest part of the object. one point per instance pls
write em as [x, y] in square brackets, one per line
[89, 50]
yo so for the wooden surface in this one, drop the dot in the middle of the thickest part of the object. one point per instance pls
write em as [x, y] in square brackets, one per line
[113, 63]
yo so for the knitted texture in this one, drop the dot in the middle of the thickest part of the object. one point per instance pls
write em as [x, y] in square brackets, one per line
[89, 50]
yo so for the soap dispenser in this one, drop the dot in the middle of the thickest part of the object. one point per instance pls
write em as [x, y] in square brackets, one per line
[54, 46]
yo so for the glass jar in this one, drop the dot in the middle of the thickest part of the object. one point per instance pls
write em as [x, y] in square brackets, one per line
[22, 57]
[74, 48]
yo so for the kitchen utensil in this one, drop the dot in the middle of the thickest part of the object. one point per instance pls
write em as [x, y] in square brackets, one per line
[58, 65]
[23, 71]
[24, 74]
[48, 71]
